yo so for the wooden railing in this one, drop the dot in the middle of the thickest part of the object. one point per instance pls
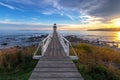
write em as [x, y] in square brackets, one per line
[43, 47]
[66, 45]
[64, 42]
[45, 43]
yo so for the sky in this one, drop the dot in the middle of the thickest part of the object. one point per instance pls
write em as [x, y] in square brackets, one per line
[67, 14]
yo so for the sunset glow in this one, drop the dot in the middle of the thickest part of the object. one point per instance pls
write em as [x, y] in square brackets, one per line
[117, 23]
[68, 14]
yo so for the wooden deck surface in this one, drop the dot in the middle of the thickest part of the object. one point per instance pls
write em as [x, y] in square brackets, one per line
[55, 48]
[55, 65]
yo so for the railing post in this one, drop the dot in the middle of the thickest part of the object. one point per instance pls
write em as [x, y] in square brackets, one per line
[42, 47]
[67, 48]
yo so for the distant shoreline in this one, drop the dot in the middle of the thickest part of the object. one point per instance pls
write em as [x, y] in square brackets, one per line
[105, 29]
[31, 41]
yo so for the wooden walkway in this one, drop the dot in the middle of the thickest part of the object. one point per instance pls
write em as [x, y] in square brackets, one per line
[55, 48]
[55, 65]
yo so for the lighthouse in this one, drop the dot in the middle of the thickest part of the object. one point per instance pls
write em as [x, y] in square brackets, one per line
[54, 27]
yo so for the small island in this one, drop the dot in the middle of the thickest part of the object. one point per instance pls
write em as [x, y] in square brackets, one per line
[105, 29]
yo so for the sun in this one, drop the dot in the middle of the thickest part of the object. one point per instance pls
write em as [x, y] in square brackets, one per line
[117, 23]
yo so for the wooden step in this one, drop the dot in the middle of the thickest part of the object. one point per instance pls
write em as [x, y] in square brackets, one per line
[56, 79]
[55, 61]
[57, 65]
[56, 69]
[55, 75]
[55, 58]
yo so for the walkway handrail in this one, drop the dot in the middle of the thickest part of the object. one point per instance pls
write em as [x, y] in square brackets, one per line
[74, 51]
[39, 45]
[44, 46]
[64, 45]
[64, 42]
[45, 43]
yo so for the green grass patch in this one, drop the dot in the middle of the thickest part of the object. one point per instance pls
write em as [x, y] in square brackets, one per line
[22, 73]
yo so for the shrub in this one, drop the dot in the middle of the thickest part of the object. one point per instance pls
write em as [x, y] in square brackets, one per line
[15, 57]
[98, 63]
[16, 63]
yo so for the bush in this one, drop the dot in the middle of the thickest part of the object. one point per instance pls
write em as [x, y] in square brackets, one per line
[15, 57]
[16, 63]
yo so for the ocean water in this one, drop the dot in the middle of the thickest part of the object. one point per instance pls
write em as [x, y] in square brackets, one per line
[22, 32]
[93, 35]
[20, 37]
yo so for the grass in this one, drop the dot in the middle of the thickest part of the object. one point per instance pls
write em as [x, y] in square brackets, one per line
[97, 63]
[22, 73]
[16, 63]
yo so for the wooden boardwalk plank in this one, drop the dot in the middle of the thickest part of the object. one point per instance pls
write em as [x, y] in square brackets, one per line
[57, 79]
[55, 48]
[56, 69]
[56, 75]
[54, 62]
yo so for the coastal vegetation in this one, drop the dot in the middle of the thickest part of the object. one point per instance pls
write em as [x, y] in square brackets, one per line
[97, 63]
[16, 63]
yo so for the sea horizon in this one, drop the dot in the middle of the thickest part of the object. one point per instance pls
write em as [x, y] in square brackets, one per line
[21, 37]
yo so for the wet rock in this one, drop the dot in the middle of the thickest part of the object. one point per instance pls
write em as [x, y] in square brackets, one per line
[17, 47]
[36, 38]
[43, 36]
[4, 44]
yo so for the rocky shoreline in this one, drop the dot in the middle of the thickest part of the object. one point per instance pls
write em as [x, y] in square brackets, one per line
[21, 42]
[34, 40]
[75, 39]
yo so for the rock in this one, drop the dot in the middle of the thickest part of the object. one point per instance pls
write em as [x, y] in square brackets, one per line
[36, 38]
[43, 36]
[4, 44]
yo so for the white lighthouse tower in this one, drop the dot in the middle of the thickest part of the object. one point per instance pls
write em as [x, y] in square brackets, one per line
[54, 27]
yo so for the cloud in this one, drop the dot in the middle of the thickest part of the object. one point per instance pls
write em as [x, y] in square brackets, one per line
[23, 1]
[108, 8]
[104, 9]
[11, 22]
[7, 5]
[12, 25]
[5, 21]
[100, 10]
